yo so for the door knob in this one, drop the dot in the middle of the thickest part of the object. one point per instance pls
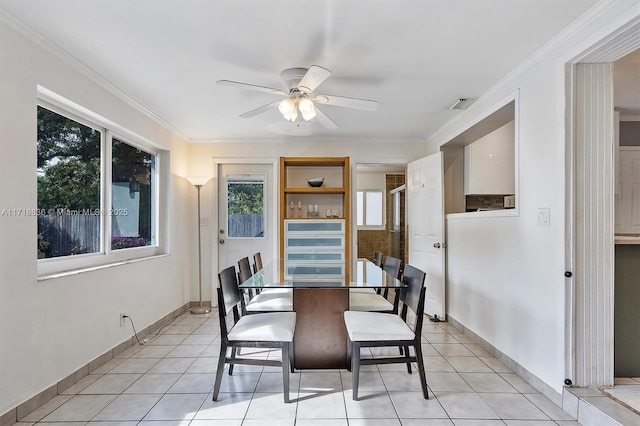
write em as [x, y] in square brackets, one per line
[436, 245]
[221, 241]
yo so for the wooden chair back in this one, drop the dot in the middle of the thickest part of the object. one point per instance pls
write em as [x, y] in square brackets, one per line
[412, 296]
[257, 262]
[244, 268]
[228, 297]
[377, 258]
[393, 266]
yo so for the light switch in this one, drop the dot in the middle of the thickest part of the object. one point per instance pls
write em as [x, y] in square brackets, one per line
[544, 216]
[204, 221]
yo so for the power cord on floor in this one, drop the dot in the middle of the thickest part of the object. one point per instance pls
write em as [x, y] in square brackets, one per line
[134, 331]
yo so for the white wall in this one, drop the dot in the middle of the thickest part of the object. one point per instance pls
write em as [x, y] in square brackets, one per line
[50, 328]
[367, 181]
[505, 274]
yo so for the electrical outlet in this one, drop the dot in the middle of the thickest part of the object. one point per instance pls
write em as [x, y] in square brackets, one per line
[123, 319]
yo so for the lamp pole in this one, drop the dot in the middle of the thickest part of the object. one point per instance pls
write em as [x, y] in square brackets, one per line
[200, 309]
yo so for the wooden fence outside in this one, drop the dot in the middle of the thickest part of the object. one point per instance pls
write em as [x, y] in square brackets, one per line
[70, 234]
[246, 225]
[76, 234]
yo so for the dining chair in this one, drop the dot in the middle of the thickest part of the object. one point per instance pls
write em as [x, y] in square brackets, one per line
[244, 273]
[269, 330]
[377, 258]
[372, 329]
[379, 301]
[268, 300]
[257, 262]
[393, 266]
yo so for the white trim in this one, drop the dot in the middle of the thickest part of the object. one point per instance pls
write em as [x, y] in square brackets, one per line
[593, 241]
[614, 46]
[41, 41]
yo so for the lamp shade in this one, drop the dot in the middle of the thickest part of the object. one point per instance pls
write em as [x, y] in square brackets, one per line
[198, 180]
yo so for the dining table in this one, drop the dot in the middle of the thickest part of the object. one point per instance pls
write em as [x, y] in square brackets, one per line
[320, 339]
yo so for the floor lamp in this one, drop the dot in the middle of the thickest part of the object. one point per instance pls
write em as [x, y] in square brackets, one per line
[199, 182]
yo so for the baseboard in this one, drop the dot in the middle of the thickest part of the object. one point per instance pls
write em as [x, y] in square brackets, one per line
[22, 410]
[525, 374]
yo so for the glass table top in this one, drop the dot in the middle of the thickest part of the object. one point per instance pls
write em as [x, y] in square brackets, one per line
[365, 275]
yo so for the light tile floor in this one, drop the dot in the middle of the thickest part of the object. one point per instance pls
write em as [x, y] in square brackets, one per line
[168, 382]
[627, 391]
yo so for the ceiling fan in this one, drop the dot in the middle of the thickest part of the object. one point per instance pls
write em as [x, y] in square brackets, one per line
[299, 84]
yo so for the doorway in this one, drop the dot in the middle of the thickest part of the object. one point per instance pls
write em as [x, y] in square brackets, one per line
[245, 213]
[590, 239]
[379, 211]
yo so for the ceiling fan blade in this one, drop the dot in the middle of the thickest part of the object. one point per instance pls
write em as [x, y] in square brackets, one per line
[325, 120]
[263, 108]
[251, 87]
[341, 101]
[314, 77]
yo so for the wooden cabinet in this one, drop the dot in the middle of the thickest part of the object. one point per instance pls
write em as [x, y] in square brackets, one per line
[307, 211]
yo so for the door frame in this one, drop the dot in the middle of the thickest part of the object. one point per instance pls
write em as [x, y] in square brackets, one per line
[215, 219]
[582, 335]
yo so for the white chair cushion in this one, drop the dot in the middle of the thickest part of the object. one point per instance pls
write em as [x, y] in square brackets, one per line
[362, 290]
[278, 291]
[372, 326]
[272, 327]
[368, 302]
[268, 302]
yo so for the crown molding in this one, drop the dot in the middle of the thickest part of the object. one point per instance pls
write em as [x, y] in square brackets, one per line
[50, 47]
[508, 82]
[305, 140]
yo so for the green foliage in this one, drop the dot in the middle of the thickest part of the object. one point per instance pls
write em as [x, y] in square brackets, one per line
[69, 163]
[70, 184]
[245, 198]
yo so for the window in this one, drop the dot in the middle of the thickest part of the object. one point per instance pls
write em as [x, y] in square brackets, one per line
[245, 206]
[97, 192]
[370, 208]
[131, 196]
[68, 186]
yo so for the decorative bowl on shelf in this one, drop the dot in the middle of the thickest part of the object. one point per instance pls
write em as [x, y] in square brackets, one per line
[315, 182]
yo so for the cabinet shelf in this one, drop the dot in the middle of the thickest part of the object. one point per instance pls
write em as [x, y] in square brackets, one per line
[320, 190]
[333, 196]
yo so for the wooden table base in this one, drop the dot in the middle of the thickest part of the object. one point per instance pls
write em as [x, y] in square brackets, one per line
[320, 340]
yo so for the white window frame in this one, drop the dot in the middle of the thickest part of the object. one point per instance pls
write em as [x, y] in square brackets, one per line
[56, 266]
[364, 206]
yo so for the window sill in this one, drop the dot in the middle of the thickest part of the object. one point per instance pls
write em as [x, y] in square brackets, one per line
[63, 274]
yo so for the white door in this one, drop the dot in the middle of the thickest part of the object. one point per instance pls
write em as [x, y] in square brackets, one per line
[245, 200]
[425, 207]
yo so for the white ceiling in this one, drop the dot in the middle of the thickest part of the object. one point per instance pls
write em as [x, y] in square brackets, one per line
[414, 57]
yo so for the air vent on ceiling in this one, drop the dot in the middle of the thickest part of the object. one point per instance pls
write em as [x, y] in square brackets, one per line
[462, 103]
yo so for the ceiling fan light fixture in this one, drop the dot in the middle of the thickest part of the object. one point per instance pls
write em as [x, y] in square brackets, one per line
[287, 107]
[307, 109]
[291, 116]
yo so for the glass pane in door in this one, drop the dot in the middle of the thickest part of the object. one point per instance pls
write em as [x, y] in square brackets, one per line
[245, 206]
